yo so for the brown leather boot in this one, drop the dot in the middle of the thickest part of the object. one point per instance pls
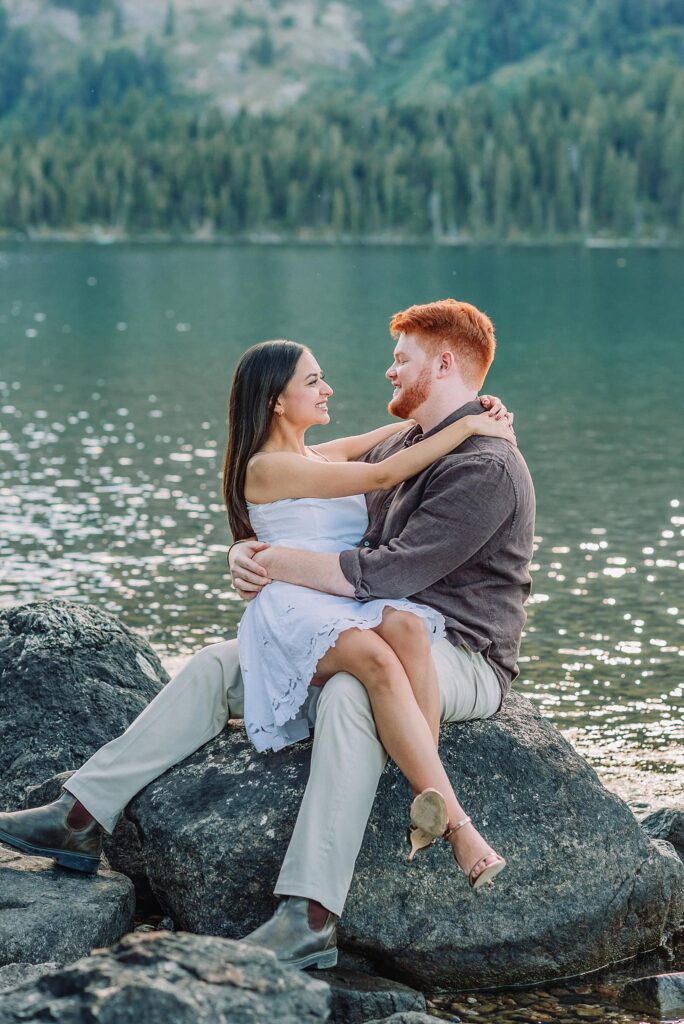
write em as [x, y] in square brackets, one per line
[289, 934]
[46, 832]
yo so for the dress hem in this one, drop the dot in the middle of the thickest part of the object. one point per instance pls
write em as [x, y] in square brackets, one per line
[320, 645]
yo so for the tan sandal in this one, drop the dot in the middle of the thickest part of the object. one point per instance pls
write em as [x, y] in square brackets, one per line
[418, 839]
[429, 818]
[489, 872]
[430, 821]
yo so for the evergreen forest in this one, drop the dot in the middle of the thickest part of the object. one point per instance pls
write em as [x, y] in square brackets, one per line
[589, 144]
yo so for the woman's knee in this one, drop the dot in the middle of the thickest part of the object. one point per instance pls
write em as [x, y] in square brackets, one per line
[404, 629]
[366, 656]
[380, 665]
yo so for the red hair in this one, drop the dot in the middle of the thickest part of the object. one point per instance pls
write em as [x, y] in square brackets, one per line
[458, 326]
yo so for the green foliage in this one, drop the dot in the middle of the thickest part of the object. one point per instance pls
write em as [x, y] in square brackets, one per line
[562, 157]
[117, 23]
[15, 62]
[84, 8]
[429, 48]
[170, 21]
[486, 119]
[119, 70]
[263, 50]
[241, 18]
[41, 105]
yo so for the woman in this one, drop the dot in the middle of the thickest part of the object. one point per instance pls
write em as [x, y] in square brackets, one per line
[283, 491]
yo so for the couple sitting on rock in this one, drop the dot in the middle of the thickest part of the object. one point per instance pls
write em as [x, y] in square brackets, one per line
[385, 593]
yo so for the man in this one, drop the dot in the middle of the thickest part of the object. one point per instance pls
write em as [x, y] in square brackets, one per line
[457, 537]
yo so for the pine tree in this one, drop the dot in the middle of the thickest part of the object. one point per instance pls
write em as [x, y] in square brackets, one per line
[503, 190]
[170, 20]
[256, 201]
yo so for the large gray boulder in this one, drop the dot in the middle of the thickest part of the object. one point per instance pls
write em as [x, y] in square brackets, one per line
[159, 977]
[667, 823]
[661, 995]
[584, 886]
[357, 997]
[51, 915]
[71, 679]
[14, 975]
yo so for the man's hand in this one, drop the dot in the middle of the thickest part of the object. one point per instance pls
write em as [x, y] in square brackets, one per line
[247, 575]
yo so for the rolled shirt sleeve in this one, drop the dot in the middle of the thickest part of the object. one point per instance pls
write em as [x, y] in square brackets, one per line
[468, 504]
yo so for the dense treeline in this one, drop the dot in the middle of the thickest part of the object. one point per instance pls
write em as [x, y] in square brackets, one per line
[561, 158]
[565, 154]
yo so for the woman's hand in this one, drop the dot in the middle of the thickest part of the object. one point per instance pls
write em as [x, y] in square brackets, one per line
[247, 575]
[485, 426]
[495, 408]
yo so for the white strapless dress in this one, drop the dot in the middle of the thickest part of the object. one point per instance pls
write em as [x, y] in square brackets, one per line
[286, 630]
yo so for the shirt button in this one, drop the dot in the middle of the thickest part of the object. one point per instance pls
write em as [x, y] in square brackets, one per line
[388, 504]
[366, 543]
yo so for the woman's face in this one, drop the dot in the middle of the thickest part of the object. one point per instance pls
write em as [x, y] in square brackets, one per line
[305, 399]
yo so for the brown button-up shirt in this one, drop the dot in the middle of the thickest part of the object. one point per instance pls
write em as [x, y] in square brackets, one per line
[457, 537]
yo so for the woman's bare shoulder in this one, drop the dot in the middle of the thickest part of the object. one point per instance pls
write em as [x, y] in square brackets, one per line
[266, 462]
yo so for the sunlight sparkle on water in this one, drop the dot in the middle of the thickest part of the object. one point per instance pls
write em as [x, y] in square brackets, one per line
[111, 449]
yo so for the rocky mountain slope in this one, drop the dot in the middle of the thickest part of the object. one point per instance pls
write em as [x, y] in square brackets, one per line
[268, 54]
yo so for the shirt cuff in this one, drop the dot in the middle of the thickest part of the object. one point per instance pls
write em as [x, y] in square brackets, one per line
[350, 564]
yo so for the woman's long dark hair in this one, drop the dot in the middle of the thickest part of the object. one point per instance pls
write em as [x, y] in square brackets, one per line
[262, 374]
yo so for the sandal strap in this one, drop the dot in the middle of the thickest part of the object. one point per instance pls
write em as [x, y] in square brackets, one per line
[497, 860]
[454, 828]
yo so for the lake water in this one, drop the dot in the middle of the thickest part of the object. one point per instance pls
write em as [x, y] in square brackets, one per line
[115, 365]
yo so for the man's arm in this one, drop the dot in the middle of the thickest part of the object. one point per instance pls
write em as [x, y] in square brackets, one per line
[465, 503]
[254, 565]
[319, 570]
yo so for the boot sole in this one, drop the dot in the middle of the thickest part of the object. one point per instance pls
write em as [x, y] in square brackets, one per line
[65, 858]
[326, 958]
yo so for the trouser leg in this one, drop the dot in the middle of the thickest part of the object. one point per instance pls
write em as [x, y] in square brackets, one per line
[346, 764]
[191, 709]
[468, 686]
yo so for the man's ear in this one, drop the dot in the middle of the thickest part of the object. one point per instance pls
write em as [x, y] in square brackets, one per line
[446, 363]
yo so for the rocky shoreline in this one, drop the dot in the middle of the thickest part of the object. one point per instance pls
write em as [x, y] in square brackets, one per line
[198, 852]
[97, 235]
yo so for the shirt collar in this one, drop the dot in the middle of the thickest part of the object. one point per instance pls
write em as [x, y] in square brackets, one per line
[416, 433]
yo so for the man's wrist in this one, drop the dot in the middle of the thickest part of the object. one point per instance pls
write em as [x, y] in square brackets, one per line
[350, 567]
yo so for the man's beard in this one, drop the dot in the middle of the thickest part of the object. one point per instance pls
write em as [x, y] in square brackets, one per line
[412, 397]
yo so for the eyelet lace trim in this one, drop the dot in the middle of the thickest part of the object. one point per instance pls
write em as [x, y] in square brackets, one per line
[269, 736]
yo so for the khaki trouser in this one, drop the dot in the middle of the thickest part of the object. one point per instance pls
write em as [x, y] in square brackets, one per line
[346, 763]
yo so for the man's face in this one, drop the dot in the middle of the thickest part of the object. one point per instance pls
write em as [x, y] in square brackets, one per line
[411, 377]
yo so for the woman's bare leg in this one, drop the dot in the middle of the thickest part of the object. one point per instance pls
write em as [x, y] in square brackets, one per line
[402, 727]
[407, 636]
